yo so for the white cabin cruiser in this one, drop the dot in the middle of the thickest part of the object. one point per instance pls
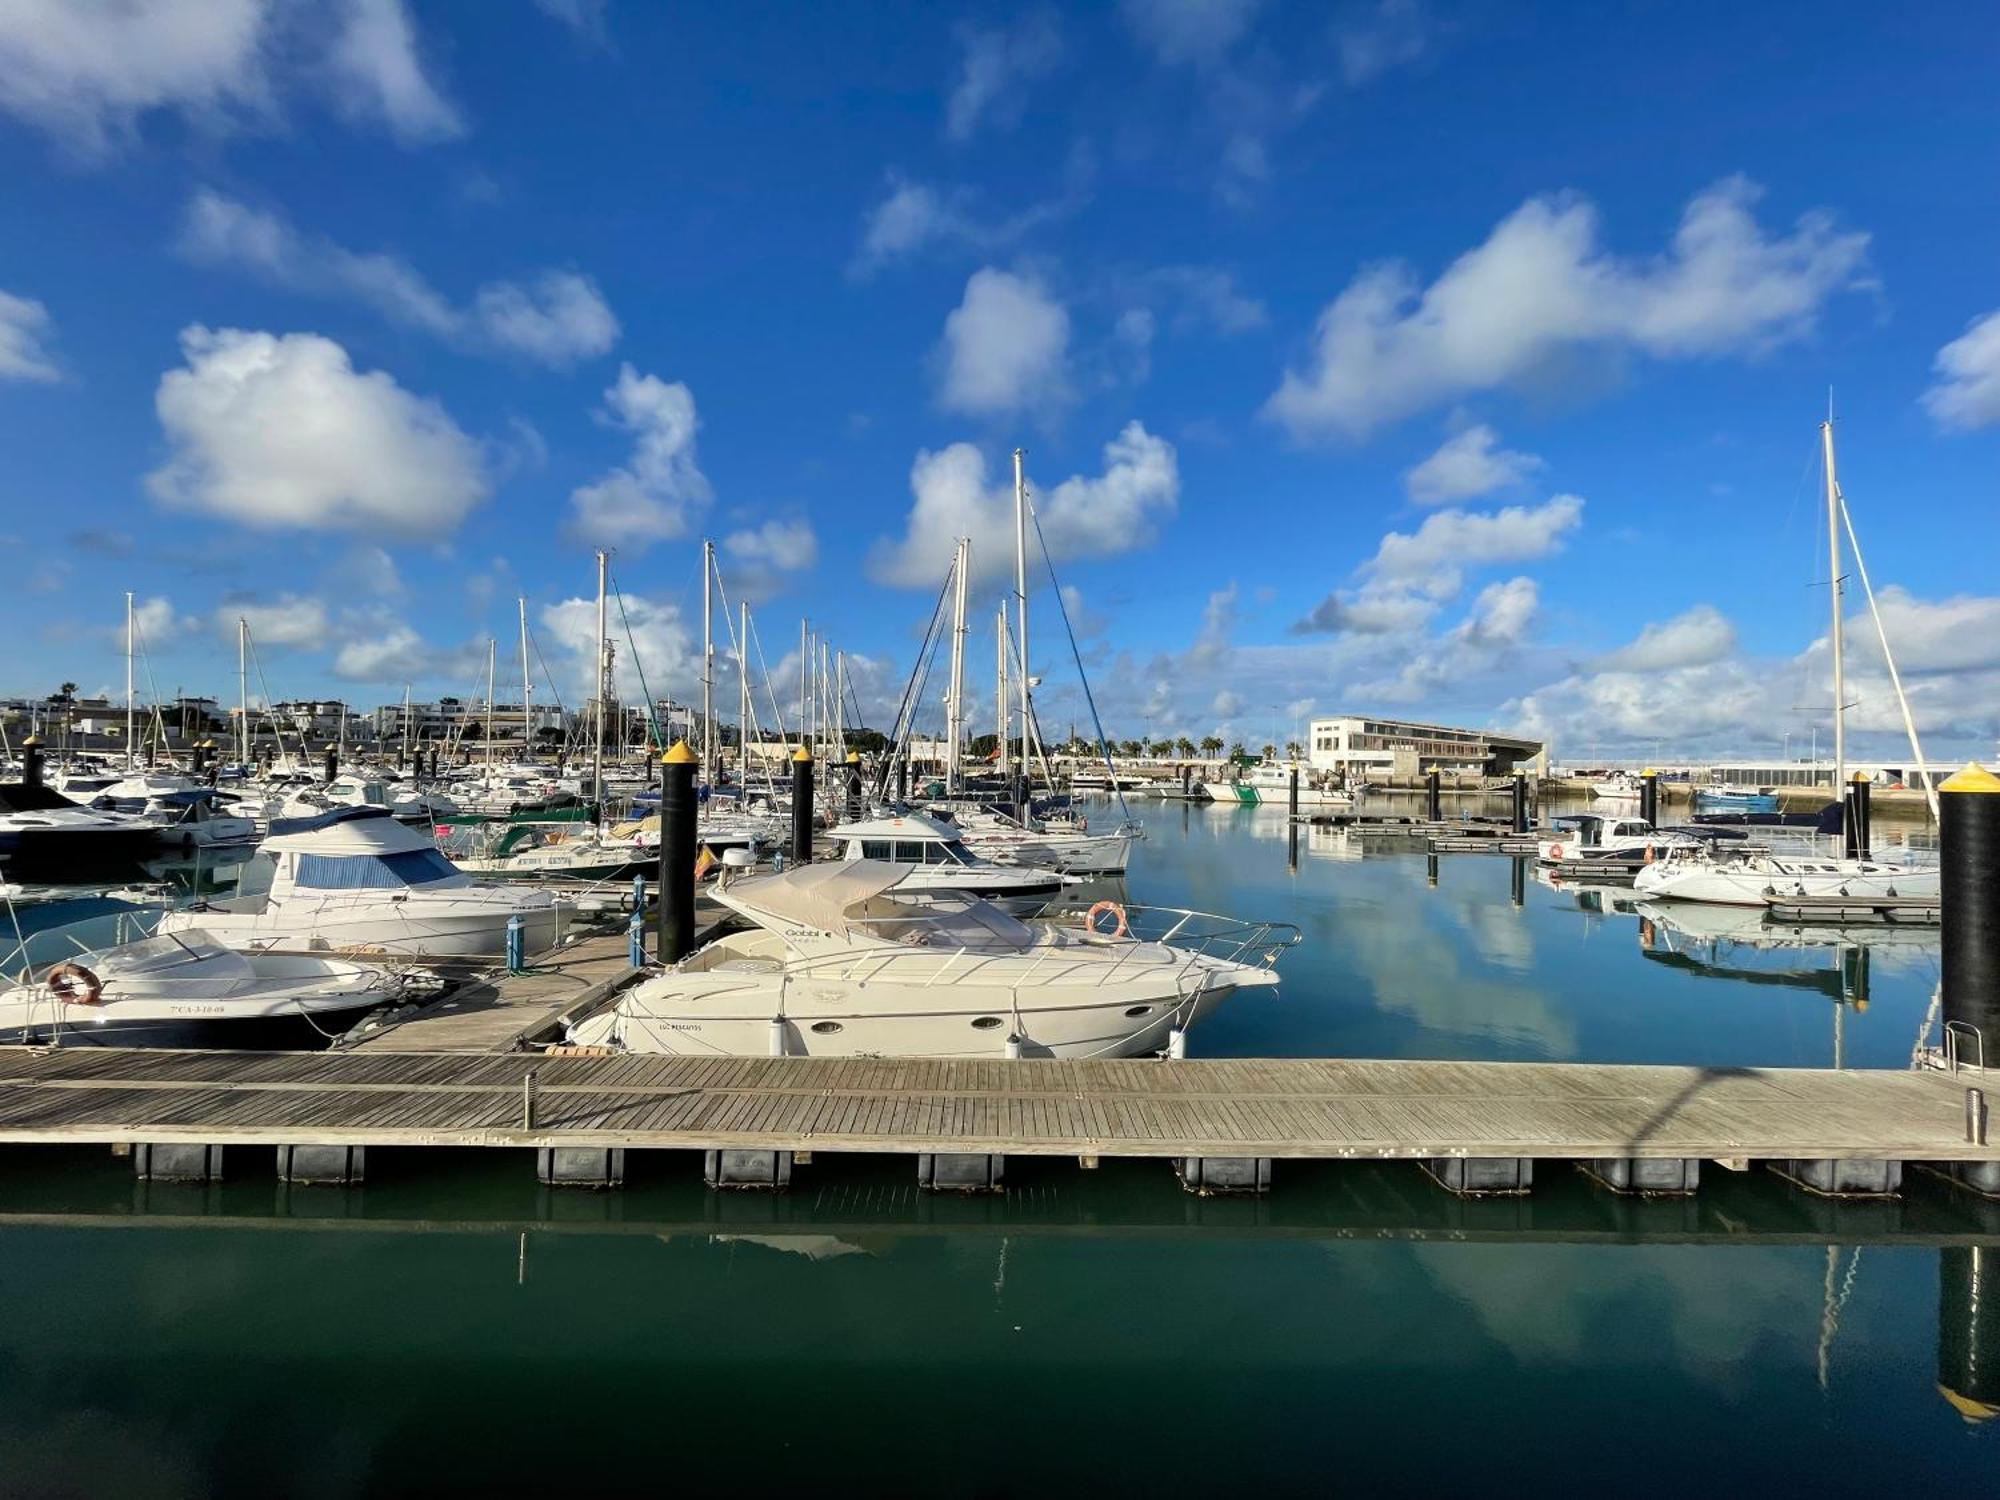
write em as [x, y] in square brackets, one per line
[1270, 785]
[184, 989]
[841, 963]
[1069, 848]
[360, 879]
[1587, 836]
[940, 861]
[185, 812]
[1754, 878]
[46, 837]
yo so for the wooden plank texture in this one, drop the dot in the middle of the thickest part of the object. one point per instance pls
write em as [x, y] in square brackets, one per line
[1322, 1108]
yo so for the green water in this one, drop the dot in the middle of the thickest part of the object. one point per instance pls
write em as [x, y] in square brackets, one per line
[452, 1326]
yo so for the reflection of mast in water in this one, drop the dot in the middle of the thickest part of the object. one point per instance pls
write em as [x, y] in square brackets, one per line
[1832, 1304]
[1968, 1373]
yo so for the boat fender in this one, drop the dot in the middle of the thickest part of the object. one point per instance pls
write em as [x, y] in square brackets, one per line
[1090, 921]
[1649, 854]
[73, 984]
[1555, 851]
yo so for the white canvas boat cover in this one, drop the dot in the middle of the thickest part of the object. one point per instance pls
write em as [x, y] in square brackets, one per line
[815, 896]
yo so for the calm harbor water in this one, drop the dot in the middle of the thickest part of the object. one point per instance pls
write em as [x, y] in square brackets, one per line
[453, 1326]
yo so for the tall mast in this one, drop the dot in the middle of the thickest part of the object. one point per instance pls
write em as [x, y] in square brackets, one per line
[128, 681]
[1021, 587]
[406, 724]
[492, 661]
[527, 686]
[597, 721]
[708, 661]
[243, 691]
[805, 662]
[743, 694]
[1833, 582]
[840, 703]
[1002, 759]
[955, 704]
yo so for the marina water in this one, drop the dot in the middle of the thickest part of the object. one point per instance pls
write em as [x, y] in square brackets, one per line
[451, 1325]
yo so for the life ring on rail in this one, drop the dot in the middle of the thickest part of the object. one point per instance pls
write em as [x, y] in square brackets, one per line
[1556, 852]
[1090, 919]
[73, 984]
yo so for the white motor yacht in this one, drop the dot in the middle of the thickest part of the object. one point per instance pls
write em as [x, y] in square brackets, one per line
[1069, 848]
[1270, 785]
[186, 813]
[841, 963]
[1755, 877]
[940, 861]
[361, 880]
[184, 989]
[1587, 836]
[45, 837]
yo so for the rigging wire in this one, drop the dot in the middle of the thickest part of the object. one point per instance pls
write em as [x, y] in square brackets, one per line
[1089, 698]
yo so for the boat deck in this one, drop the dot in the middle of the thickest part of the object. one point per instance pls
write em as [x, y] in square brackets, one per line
[1276, 1108]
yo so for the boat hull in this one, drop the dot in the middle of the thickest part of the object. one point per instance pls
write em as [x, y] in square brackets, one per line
[937, 1023]
[308, 1028]
[1755, 886]
[412, 931]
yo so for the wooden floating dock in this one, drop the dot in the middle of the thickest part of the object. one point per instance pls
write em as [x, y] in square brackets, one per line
[1463, 1119]
[491, 1010]
[1842, 911]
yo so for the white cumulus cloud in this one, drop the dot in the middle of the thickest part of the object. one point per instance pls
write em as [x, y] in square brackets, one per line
[1084, 516]
[785, 546]
[1695, 638]
[651, 496]
[280, 431]
[87, 72]
[1434, 558]
[24, 324]
[556, 318]
[995, 67]
[1382, 36]
[1005, 346]
[1967, 393]
[653, 629]
[1188, 31]
[288, 620]
[1467, 465]
[1541, 286]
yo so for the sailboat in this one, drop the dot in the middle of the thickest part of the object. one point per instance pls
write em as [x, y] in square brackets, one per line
[1755, 879]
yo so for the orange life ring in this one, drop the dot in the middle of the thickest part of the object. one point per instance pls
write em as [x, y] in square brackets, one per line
[1090, 920]
[1555, 851]
[73, 984]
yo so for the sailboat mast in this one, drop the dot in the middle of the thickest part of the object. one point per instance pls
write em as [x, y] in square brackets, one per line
[406, 723]
[597, 718]
[492, 661]
[527, 685]
[804, 661]
[708, 661]
[955, 706]
[1021, 587]
[1833, 585]
[1002, 758]
[243, 692]
[743, 693]
[128, 681]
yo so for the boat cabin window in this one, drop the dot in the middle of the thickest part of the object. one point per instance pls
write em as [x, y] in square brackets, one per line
[909, 852]
[360, 872]
[873, 849]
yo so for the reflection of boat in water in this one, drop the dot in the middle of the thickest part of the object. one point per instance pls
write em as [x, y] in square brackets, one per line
[1706, 922]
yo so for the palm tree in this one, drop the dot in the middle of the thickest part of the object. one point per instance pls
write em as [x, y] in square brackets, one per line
[1293, 750]
[1270, 752]
[1211, 745]
[1131, 749]
[1185, 746]
[1237, 752]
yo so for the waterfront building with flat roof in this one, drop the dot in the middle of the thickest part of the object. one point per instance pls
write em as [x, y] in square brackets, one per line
[1400, 747]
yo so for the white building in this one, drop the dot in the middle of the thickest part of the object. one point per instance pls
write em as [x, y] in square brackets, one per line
[1398, 747]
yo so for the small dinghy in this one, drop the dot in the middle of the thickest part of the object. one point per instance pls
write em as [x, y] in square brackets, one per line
[184, 989]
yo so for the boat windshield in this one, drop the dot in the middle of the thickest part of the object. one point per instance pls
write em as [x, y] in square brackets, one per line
[358, 872]
[169, 951]
[929, 921]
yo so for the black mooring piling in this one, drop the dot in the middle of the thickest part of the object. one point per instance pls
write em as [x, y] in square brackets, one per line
[802, 806]
[1856, 818]
[1520, 802]
[1649, 797]
[677, 853]
[1968, 1368]
[1969, 857]
[853, 784]
[1433, 796]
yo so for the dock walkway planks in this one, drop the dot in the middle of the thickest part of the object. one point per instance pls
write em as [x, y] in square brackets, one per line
[1323, 1108]
[494, 1011]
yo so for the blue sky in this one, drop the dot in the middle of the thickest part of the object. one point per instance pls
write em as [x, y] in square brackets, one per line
[1449, 361]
